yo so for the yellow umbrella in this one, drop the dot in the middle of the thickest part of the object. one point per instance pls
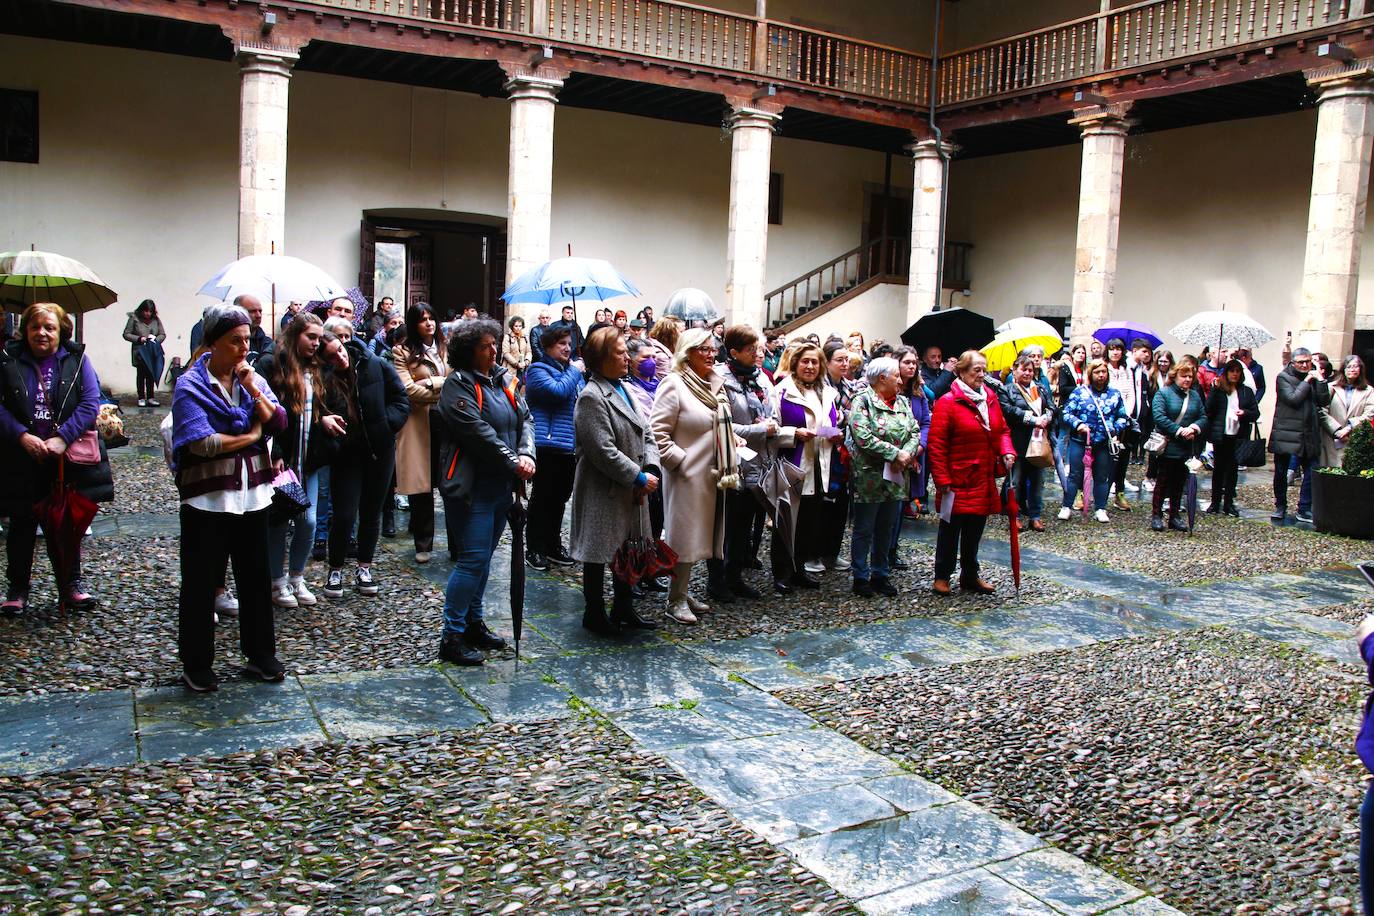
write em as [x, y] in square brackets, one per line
[1015, 336]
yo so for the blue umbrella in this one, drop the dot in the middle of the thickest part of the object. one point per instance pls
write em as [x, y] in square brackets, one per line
[1127, 331]
[565, 279]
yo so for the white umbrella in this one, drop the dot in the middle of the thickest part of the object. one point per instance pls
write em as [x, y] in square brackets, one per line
[272, 278]
[27, 277]
[1222, 329]
[691, 304]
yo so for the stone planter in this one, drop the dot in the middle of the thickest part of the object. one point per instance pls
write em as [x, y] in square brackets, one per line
[1343, 505]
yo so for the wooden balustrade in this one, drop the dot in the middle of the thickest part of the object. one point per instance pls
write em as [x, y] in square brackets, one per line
[503, 15]
[1063, 52]
[656, 28]
[856, 67]
[1148, 33]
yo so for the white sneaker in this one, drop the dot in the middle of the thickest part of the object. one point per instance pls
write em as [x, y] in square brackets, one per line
[1147, 485]
[679, 611]
[1065, 514]
[815, 567]
[698, 607]
[226, 604]
[304, 596]
[422, 556]
[142, 402]
[282, 594]
[842, 564]
[1101, 516]
[1131, 488]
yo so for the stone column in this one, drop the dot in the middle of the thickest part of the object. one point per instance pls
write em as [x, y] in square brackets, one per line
[529, 199]
[746, 248]
[265, 76]
[1099, 214]
[927, 216]
[1335, 222]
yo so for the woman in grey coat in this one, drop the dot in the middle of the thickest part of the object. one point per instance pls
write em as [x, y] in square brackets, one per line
[617, 470]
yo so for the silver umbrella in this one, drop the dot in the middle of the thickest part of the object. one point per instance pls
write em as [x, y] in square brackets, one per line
[690, 304]
[1222, 329]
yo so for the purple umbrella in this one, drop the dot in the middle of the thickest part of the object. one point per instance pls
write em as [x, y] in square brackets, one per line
[1127, 331]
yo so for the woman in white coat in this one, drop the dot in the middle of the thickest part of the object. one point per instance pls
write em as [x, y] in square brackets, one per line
[696, 446]
[805, 408]
[1352, 403]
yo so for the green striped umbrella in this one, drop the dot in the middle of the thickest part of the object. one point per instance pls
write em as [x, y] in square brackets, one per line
[27, 277]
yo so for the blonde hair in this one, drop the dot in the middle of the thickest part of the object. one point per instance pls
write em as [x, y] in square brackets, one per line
[801, 350]
[688, 341]
[666, 331]
[1093, 366]
[64, 321]
[965, 361]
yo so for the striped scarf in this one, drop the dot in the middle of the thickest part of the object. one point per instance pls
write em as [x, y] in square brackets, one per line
[726, 468]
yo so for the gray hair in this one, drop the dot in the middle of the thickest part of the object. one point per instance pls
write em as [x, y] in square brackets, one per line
[218, 320]
[463, 340]
[339, 323]
[1032, 350]
[876, 369]
[1300, 351]
[634, 344]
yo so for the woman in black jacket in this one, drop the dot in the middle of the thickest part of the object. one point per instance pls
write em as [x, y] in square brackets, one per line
[369, 396]
[1231, 411]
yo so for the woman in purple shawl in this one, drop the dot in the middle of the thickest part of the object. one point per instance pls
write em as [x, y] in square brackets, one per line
[222, 412]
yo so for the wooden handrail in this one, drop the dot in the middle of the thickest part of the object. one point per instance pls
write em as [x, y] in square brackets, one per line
[880, 257]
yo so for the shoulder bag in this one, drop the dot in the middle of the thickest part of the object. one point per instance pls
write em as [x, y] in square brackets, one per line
[1157, 442]
[1114, 445]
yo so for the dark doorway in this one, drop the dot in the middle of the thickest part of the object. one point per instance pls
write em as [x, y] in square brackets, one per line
[1364, 348]
[450, 264]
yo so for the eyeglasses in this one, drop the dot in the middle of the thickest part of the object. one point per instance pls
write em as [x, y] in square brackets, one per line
[706, 349]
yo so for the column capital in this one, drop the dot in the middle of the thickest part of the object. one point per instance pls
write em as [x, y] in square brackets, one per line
[932, 149]
[1103, 120]
[747, 116]
[1329, 83]
[527, 85]
[273, 61]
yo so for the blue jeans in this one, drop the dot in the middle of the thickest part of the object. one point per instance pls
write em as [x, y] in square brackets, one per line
[1281, 465]
[873, 524]
[1367, 849]
[302, 536]
[1103, 466]
[322, 508]
[479, 525]
[1028, 482]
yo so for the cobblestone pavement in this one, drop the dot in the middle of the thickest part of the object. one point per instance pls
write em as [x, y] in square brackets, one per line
[729, 768]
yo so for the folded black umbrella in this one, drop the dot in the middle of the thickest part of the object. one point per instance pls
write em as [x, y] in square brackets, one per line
[952, 330]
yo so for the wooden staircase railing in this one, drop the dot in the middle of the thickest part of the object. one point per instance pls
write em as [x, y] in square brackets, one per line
[882, 257]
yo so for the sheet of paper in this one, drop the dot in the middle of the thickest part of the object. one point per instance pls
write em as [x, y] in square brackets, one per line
[890, 473]
[745, 453]
[947, 506]
[829, 432]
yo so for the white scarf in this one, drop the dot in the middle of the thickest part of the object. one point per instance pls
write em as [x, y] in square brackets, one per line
[979, 399]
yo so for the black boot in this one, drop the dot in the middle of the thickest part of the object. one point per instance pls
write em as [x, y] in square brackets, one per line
[389, 519]
[455, 650]
[715, 582]
[594, 616]
[803, 579]
[623, 613]
[1156, 523]
[479, 636]
[1230, 509]
[1177, 524]
[743, 589]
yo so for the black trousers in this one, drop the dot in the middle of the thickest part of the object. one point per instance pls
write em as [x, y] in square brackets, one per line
[144, 382]
[807, 544]
[208, 541]
[1123, 462]
[553, 483]
[357, 488]
[1224, 472]
[594, 589]
[20, 537]
[741, 509]
[958, 540]
[422, 520]
[833, 522]
[1173, 474]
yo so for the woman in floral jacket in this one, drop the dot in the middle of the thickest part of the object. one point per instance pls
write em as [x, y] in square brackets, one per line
[1095, 416]
[883, 436]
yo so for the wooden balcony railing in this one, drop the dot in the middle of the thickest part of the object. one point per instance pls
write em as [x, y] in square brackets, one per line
[856, 67]
[501, 15]
[655, 28]
[1133, 36]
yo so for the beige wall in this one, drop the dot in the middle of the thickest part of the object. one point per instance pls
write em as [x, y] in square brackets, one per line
[1211, 215]
[899, 24]
[880, 313]
[139, 180]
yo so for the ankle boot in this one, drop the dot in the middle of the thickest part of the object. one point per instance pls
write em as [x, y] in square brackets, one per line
[623, 613]
[594, 617]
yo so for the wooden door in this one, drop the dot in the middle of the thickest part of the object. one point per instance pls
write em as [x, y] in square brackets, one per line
[419, 259]
[367, 259]
[496, 274]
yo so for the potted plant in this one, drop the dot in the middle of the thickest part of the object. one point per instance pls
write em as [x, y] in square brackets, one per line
[1343, 497]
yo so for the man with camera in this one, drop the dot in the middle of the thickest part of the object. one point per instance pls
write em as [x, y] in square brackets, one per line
[1301, 394]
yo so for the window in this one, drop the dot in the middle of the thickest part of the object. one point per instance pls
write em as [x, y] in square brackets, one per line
[390, 273]
[775, 198]
[18, 125]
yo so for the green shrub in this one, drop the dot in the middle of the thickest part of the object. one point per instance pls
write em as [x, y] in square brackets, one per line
[1359, 451]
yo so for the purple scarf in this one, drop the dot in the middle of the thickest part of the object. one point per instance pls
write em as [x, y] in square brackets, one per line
[199, 410]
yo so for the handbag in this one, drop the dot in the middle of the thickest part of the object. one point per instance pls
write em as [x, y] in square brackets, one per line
[289, 498]
[1114, 445]
[1039, 453]
[1157, 442]
[1252, 452]
[86, 449]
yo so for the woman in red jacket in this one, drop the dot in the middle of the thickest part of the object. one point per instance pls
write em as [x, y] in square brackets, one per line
[969, 448]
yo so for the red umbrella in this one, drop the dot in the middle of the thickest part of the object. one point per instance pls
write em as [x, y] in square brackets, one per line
[1087, 479]
[64, 515]
[1012, 511]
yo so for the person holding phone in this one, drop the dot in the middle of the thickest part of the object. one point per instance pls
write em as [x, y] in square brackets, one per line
[1302, 393]
[222, 412]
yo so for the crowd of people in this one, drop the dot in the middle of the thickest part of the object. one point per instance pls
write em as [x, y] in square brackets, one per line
[708, 439]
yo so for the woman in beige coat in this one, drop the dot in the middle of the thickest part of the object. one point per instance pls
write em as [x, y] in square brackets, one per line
[696, 446]
[1352, 403]
[420, 364]
[515, 349]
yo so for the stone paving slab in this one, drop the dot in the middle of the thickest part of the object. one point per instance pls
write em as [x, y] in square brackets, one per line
[508, 693]
[976, 892]
[910, 849]
[368, 704]
[174, 723]
[1066, 883]
[784, 819]
[619, 681]
[67, 731]
[172, 743]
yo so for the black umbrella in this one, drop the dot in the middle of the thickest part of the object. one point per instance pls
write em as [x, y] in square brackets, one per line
[517, 516]
[952, 330]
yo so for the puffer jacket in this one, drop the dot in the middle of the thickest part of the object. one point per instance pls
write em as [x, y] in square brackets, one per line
[484, 434]
[1296, 428]
[551, 388]
[1167, 407]
[1016, 410]
[749, 414]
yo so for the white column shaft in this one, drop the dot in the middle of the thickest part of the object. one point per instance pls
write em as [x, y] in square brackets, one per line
[927, 216]
[265, 77]
[1099, 220]
[529, 201]
[746, 251]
